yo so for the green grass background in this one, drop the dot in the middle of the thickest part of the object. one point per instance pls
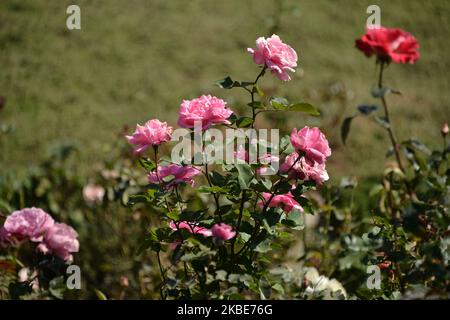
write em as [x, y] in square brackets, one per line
[137, 59]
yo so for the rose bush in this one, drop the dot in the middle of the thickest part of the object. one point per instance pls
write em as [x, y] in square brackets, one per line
[54, 245]
[409, 234]
[213, 246]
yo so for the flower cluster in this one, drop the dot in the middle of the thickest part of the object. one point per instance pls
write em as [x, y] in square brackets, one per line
[314, 145]
[208, 110]
[36, 225]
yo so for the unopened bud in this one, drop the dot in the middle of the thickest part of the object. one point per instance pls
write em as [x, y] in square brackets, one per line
[444, 129]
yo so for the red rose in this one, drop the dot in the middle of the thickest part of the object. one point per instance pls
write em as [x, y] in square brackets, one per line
[389, 44]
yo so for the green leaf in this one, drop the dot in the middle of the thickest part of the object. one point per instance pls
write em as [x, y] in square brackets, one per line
[367, 109]
[151, 242]
[16, 290]
[100, 295]
[264, 246]
[174, 215]
[57, 287]
[265, 288]
[213, 189]
[244, 122]
[227, 83]
[277, 287]
[279, 103]
[258, 89]
[137, 198]
[245, 175]
[147, 164]
[345, 128]
[304, 107]
[294, 220]
[417, 145]
[221, 275]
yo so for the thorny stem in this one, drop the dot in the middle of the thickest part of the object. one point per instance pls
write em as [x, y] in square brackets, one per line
[392, 208]
[244, 195]
[252, 93]
[238, 224]
[179, 199]
[386, 115]
[215, 196]
[162, 275]
[155, 150]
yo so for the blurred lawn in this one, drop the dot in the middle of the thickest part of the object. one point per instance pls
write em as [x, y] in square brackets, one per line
[138, 59]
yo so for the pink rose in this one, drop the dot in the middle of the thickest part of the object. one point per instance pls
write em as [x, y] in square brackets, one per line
[276, 55]
[60, 240]
[93, 193]
[284, 201]
[30, 223]
[304, 169]
[207, 109]
[389, 43]
[192, 227]
[312, 142]
[152, 133]
[180, 174]
[223, 231]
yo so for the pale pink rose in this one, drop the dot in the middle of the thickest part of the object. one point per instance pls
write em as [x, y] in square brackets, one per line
[304, 169]
[222, 231]
[314, 171]
[152, 133]
[93, 193]
[60, 240]
[180, 174]
[292, 166]
[192, 227]
[284, 201]
[312, 142]
[30, 223]
[276, 55]
[207, 109]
